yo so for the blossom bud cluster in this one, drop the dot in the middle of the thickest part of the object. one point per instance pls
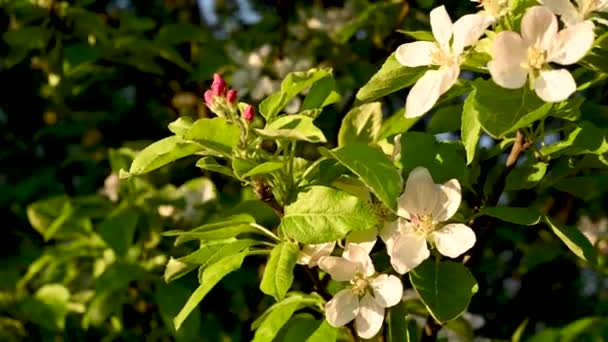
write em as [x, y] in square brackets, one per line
[223, 101]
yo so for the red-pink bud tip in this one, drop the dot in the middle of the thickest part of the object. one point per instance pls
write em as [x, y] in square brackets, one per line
[231, 96]
[209, 98]
[248, 113]
[219, 86]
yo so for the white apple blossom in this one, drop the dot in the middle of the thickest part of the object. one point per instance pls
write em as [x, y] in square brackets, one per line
[445, 52]
[515, 57]
[310, 254]
[574, 14]
[423, 207]
[367, 295]
[494, 9]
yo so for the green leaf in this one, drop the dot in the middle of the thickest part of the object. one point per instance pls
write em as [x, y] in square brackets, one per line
[48, 307]
[292, 85]
[161, 153]
[216, 134]
[211, 276]
[584, 187]
[293, 127]
[177, 33]
[517, 215]
[208, 254]
[214, 231]
[502, 111]
[526, 176]
[263, 168]
[321, 94]
[374, 169]
[419, 35]
[445, 287]
[209, 163]
[396, 124]
[361, 124]
[55, 218]
[400, 326]
[272, 320]
[323, 214]
[181, 126]
[445, 119]
[444, 160]
[278, 274]
[324, 333]
[391, 77]
[574, 240]
[585, 138]
[119, 228]
[470, 127]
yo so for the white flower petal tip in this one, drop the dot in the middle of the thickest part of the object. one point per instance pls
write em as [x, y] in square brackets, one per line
[409, 251]
[388, 290]
[340, 269]
[311, 254]
[555, 85]
[370, 318]
[343, 308]
[416, 54]
[454, 239]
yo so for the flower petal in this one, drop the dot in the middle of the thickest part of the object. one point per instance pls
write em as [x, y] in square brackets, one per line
[408, 252]
[389, 233]
[559, 7]
[360, 258]
[572, 43]
[420, 195]
[425, 93]
[468, 29]
[310, 254]
[554, 85]
[507, 75]
[339, 268]
[388, 290]
[416, 54]
[453, 239]
[441, 25]
[343, 308]
[365, 239]
[539, 27]
[448, 202]
[369, 320]
[509, 52]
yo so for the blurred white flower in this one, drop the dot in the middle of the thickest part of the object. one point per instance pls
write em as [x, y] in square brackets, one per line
[367, 295]
[515, 57]
[494, 9]
[423, 206]
[111, 185]
[572, 15]
[445, 52]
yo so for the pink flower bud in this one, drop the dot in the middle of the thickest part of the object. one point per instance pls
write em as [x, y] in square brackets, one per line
[209, 98]
[231, 96]
[218, 87]
[248, 113]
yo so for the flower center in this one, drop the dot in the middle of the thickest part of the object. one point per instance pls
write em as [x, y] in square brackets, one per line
[495, 8]
[536, 58]
[422, 223]
[442, 57]
[587, 7]
[360, 284]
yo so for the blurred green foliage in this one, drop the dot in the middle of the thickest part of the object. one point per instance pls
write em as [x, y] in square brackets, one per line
[89, 83]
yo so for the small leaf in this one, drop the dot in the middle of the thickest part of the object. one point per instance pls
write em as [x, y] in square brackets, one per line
[445, 287]
[181, 126]
[211, 276]
[161, 153]
[278, 274]
[517, 215]
[272, 320]
[119, 228]
[320, 94]
[323, 214]
[216, 134]
[293, 127]
[419, 35]
[292, 85]
[391, 77]
[526, 176]
[445, 119]
[396, 124]
[324, 333]
[585, 138]
[263, 168]
[574, 240]
[374, 169]
[470, 127]
[584, 187]
[361, 124]
[209, 163]
[48, 307]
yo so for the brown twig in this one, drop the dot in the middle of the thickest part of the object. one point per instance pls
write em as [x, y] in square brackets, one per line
[521, 144]
[264, 193]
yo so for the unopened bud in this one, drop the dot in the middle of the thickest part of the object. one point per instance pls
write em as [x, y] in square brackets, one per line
[248, 113]
[231, 96]
[209, 98]
[218, 87]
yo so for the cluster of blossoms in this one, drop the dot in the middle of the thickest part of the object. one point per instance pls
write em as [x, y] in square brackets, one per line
[223, 101]
[423, 207]
[516, 58]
